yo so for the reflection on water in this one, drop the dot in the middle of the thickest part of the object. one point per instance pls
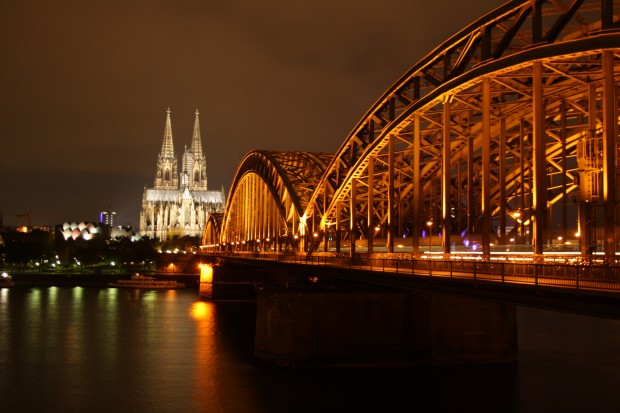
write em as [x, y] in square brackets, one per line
[105, 350]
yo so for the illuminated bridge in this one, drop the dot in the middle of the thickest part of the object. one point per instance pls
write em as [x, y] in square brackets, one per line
[499, 145]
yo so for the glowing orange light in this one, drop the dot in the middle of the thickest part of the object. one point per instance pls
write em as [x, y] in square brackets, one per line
[200, 310]
[206, 273]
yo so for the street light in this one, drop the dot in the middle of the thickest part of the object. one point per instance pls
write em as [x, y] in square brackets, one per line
[429, 223]
[328, 235]
[516, 215]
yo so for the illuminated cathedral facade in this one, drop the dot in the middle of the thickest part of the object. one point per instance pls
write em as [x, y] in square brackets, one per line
[179, 203]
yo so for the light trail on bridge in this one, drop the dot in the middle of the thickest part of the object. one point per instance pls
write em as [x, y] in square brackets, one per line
[578, 277]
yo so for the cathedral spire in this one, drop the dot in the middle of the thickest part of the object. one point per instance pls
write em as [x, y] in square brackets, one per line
[166, 176]
[196, 141]
[195, 160]
[167, 148]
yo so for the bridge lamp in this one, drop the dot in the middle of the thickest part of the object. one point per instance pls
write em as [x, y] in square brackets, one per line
[516, 215]
[377, 231]
[206, 281]
[206, 273]
[429, 223]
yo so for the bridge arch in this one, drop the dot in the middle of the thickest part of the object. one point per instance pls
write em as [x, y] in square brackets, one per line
[505, 134]
[504, 137]
[212, 231]
[269, 193]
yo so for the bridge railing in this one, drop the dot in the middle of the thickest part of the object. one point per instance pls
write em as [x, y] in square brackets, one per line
[559, 275]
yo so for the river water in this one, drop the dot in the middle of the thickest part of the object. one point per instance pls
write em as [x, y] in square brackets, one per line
[114, 350]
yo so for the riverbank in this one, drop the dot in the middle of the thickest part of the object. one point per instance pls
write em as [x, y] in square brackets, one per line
[27, 279]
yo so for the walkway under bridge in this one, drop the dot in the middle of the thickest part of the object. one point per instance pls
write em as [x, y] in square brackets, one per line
[499, 145]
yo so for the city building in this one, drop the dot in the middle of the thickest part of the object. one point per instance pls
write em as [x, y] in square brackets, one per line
[107, 217]
[179, 202]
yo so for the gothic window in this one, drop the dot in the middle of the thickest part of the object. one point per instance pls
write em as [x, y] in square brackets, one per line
[196, 176]
[167, 175]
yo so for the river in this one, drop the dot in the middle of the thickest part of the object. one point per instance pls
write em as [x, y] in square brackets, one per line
[113, 350]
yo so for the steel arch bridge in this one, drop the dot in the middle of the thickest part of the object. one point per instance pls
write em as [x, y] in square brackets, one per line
[503, 137]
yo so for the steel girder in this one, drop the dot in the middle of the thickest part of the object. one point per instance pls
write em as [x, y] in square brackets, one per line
[508, 130]
[269, 194]
[212, 231]
[514, 97]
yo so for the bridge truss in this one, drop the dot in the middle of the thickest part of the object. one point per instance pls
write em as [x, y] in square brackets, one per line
[503, 137]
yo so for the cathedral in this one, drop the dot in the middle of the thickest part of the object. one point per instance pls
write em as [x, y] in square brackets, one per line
[179, 203]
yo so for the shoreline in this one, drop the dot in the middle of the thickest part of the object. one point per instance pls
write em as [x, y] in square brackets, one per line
[39, 279]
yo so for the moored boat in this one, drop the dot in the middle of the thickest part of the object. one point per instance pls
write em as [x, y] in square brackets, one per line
[6, 280]
[146, 282]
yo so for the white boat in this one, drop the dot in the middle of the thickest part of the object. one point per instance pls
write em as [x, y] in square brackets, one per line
[6, 280]
[146, 282]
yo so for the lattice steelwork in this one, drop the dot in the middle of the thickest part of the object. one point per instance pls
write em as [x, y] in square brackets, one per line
[212, 231]
[270, 192]
[505, 134]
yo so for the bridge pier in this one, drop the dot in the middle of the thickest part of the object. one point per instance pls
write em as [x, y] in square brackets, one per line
[297, 327]
[235, 282]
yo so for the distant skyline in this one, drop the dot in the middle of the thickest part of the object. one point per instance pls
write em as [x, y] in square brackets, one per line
[86, 85]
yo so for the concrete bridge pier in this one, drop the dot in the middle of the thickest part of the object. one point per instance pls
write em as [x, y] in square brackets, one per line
[301, 327]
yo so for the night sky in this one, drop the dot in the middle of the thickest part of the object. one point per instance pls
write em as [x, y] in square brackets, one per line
[85, 87]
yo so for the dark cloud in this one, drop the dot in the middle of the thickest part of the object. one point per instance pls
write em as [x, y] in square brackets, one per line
[85, 86]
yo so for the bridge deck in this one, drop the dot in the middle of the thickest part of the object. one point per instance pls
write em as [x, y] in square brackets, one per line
[584, 288]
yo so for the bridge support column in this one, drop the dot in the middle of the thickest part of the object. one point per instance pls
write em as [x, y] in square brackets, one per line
[371, 205]
[327, 225]
[391, 197]
[585, 223]
[486, 169]
[352, 217]
[502, 180]
[539, 195]
[338, 227]
[417, 228]
[610, 134]
[310, 327]
[445, 178]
